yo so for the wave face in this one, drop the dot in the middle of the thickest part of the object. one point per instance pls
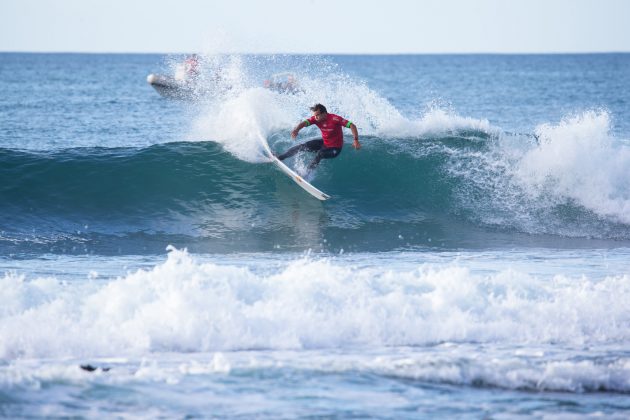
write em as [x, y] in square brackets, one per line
[457, 188]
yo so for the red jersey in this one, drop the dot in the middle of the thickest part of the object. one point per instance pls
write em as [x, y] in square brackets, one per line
[331, 129]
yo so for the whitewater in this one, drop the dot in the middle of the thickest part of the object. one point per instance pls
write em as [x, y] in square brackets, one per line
[473, 261]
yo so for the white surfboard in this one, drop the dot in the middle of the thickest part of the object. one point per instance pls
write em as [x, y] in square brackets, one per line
[295, 177]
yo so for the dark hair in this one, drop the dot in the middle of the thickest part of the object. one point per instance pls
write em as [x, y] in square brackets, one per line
[320, 108]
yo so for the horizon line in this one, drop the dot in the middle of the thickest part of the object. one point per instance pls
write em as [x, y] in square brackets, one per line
[323, 53]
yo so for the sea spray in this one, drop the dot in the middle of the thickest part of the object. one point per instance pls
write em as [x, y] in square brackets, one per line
[579, 160]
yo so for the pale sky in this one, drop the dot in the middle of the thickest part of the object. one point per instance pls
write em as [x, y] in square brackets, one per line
[315, 26]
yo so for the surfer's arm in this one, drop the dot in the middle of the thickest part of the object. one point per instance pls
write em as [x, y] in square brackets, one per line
[297, 128]
[355, 134]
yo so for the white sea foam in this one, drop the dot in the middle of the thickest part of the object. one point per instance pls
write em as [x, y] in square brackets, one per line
[468, 365]
[190, 306]
[538, 184]
[505, 370]
[578, 159]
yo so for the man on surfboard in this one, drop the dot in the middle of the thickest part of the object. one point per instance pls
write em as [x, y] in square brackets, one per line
[329, 146]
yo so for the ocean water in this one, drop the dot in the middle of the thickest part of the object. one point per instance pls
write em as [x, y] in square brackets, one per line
[473, 261]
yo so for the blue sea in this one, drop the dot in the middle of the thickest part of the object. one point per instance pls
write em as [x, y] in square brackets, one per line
[473, 261]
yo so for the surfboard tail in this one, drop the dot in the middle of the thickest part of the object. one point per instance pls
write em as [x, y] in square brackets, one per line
[306, 186]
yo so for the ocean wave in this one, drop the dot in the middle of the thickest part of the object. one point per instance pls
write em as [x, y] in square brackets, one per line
[184, 305]
[567, 180]
[444, 365]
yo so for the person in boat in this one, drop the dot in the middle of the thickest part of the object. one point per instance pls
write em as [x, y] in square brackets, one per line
[282, 83]
[191, 66]
[331, 143]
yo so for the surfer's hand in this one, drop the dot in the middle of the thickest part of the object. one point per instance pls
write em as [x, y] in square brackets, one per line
[294, 133]
[356, 144]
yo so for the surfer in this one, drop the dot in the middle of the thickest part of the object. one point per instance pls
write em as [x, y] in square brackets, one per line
[329, 146]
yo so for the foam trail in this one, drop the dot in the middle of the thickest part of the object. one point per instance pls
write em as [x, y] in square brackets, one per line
[435, 121]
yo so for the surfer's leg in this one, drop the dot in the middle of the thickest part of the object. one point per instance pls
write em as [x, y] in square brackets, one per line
[324, 153]
[292, 151]
[310, 146]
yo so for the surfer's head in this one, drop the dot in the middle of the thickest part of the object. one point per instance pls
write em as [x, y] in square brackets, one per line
[319, 111]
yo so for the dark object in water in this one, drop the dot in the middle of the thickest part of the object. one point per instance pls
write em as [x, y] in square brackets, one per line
[91, 368]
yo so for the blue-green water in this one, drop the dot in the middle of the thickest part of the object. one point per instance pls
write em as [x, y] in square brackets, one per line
[473, 261]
